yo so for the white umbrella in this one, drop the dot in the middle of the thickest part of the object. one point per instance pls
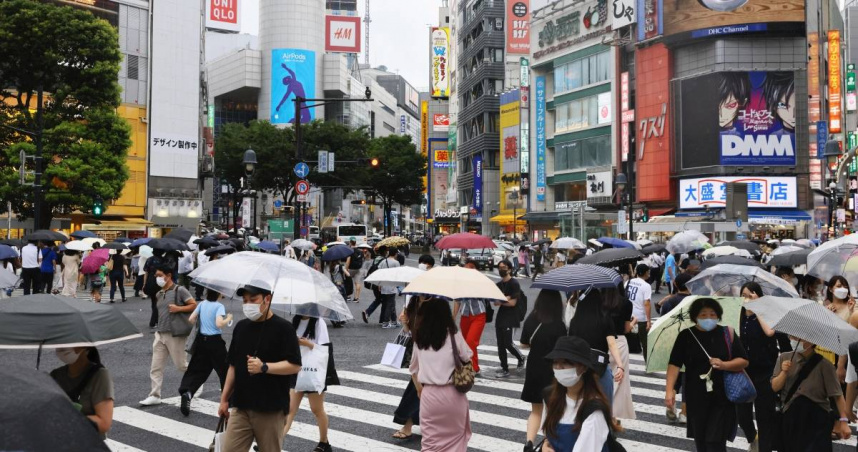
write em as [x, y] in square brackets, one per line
[303, 244]
[786, 249]
[91, 240]
[565, 243]
[806, 319]
[727, 279]
[595, 243]
[303, 290]
[146, 251]
[330, 244]
[725, 251]
[193, 246]
[831, 258]
[78, 245]
[636, 245]
[364, 245]
[455, 283]
[397, 276]
[644, 242]
[686, 241]
[805, 243]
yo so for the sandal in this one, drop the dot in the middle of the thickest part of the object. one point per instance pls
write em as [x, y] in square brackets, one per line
[399, 435]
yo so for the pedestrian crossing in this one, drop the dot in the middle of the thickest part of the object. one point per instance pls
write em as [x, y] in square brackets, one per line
[361, 416]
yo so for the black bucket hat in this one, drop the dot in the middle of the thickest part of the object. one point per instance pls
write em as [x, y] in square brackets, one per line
[573, 349]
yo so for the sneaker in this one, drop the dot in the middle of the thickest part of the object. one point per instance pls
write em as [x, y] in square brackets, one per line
[323, 447]
[151, 401]
[521, 362]
[528, 446]
[364, 317]
[185, 406]
[682, 419]
[111, 301]
[502, 374]
[671, 415]
[124, 300]
[389, 326]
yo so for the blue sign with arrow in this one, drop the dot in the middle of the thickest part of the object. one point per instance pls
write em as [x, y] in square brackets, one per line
[302, 170]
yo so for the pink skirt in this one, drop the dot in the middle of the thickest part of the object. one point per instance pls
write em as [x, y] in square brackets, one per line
[445, 421]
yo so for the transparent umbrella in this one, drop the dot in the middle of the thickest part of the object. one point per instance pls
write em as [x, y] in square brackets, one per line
[565, 243]
[726, 251]
[686, 241]
[303, 290]
[727, 279]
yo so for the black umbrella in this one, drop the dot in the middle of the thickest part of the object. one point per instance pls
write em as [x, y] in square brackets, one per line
[790, 259]
[13, 242]
[578, 277]
[123, 240]
[220, 249]
[116, 246]
[735, 260]
[653, 248]
[45, 235]
[82, 234]
[168, 244]
[207, 241]
[180, 234]
[752, 247]
[337, 252]
[37, 415]
[612, 257]
[543, 241]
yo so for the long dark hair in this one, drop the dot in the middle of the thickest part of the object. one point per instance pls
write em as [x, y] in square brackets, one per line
[310, 331]
[753, 287]
[548, 306]
[829, 294]
[93, 356]
[591, 392]
[411, 313]
[613, 298]
[434, 324]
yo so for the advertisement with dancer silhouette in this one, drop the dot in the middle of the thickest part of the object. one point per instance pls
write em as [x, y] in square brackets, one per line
[293, 74]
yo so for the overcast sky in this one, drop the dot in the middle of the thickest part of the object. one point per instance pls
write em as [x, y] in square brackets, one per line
[399, 34]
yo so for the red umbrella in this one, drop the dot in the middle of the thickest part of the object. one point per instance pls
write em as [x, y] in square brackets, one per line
[94, 261]
[464, 240]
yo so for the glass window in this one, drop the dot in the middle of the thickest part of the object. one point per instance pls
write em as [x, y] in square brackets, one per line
[593, 111]
[585, 72]
[560, 79]
[585, 112]
[574, 151]
[560, 161]
[575, 118]
[594, 71]
[604, 65]
[573, 75]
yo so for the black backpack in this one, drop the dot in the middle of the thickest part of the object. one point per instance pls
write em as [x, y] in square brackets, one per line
[521, 305]
[356, 261]
[372, 268]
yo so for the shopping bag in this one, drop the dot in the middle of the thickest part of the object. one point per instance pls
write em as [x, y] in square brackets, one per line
[394, 352]
[314, 369]
[218, 441]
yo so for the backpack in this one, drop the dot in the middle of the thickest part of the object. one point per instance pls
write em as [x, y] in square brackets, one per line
[357, 260]
[521, 305]
[371, 269]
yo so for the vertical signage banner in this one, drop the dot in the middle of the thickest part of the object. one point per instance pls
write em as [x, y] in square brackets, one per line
[518, 27]
[834, 102]
[524, 141]
[439, 70]
[510, 117]
[293, 74]
[424, 138]
[478, 186]
[540, 138]
[650, 21]
[814, 114]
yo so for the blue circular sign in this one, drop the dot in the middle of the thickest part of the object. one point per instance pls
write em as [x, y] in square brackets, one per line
[302, 170]
[739, 223]
[278, 203]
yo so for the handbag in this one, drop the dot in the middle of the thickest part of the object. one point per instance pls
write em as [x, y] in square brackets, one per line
[179, 323]
[314, 369]
[463, 374]
[738, 386]
[217, 441]
[191, 342]
[394, 352]
[490, 312]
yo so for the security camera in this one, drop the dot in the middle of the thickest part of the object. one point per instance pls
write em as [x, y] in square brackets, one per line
[368, 93]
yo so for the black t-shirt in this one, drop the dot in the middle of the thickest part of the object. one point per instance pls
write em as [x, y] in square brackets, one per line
[687, 352]
[622, 315]
[593, 324]
[507, 316]
[118, 263]
[671, 302]
[273, 340]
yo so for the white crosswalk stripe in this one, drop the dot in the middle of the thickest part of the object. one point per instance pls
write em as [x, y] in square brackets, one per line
[361, 412]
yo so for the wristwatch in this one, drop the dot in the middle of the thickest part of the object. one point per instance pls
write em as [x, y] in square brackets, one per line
[264, 368]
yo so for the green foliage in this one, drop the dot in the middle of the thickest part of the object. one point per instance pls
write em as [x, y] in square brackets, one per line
[75, 58]
[398, 179]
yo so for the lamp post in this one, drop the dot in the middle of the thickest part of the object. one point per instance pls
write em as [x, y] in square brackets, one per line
[249, 163]
[622, 183]
[832, 154]
[514, 198]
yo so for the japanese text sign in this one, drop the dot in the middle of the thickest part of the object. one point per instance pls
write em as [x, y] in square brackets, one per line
[763, 192]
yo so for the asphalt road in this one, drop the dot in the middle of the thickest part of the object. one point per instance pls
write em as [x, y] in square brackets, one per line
[360, 410]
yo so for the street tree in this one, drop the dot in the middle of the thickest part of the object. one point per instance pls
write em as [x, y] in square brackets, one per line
[73, 57]
[399, 176]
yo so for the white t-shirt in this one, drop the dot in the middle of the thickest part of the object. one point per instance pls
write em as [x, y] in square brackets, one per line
[321, 336]
[30, 256]
[141, 263]
[851, 375]
[594, 431]
[639, 291]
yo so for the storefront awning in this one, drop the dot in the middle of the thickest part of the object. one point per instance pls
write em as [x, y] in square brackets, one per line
[659, 211]
[773, 216]
[541, 216]
[505, 218]
[118, 224]
[175, 222]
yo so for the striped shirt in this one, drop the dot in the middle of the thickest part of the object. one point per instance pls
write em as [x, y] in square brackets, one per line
[472, 307]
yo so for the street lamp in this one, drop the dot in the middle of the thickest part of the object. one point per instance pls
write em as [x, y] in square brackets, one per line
[832, 153]
[249, 163]
[622, 182]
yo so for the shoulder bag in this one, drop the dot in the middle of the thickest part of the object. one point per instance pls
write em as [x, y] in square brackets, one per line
[738, 386]
[179, 323]
[463, 374]
[777, 420]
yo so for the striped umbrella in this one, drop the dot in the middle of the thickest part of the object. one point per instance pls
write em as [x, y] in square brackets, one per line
[578, 277]
[805, 319]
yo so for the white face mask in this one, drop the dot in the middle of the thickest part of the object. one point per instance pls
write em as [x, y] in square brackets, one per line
[794, 344]
[251, 311]
[422, 267]
[802, 347]
[567, 377]
[67, 355]
[841, 293]
[160, 281]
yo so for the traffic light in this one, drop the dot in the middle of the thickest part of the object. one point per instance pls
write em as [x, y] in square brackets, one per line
[373, 162]
[645, 216]
[97, 206]
[359, 202]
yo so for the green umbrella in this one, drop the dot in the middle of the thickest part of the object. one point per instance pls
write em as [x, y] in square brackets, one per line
[664, 331]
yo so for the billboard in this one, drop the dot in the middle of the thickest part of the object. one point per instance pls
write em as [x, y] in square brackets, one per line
[440, 122]
[704, 18]
[439, 78]
[477, 205]
[223, 15]
[622, 14]
[342, 34]
[650, 19]
[518, 27]
[763, 192]
[293, 74]
[440, 161]
[540, 138]
[834, 87]
[510, 120]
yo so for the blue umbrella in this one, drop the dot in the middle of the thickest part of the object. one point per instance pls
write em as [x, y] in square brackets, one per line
[268, 245]
[578, 277]
[6, 252]
[139, 242]
[615, 242]
[337, 252]
[82, 234]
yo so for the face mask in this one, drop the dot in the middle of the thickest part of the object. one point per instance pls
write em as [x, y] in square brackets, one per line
[802, 348]
[707, 324]
[794, 281]
[567, 377]
[422, 267]
[794, 344]
[160, 281]
[503, 273]
[841, 293]
[67, 355]
[251, 311]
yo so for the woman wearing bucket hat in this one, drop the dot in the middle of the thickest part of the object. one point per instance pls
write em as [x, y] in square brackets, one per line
[578, 415]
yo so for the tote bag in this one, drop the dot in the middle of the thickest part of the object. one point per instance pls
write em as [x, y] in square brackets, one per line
[394, 352]
[314, 369]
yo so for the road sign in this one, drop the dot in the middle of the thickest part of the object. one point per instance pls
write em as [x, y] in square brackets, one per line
[740, 237]
[302, 170]
[302, 187]
[302, 198]
[278, 203]
[323, 162]
[304, 231]
[330, 162]
[739, 223]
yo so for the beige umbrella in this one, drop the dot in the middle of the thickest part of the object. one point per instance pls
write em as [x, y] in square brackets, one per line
[455, 284]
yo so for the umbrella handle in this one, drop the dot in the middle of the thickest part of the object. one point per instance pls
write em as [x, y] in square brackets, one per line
[39, 355]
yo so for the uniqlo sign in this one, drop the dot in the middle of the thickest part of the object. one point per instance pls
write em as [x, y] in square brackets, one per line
[223, 15]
